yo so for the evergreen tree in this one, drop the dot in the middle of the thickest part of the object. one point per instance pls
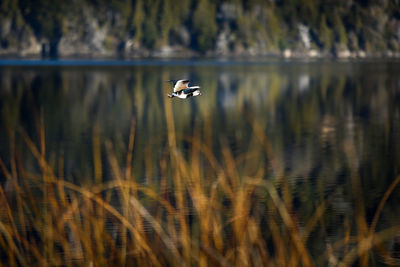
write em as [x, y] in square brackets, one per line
[137, 19]
[339, 29]
[325, 34]
[45, 16]
[150, 31]
[166, 20]
[204, 25]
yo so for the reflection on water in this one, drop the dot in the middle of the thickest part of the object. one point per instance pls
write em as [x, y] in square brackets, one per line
[325, 121]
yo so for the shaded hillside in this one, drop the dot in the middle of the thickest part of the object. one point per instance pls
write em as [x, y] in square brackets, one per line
[139, 28]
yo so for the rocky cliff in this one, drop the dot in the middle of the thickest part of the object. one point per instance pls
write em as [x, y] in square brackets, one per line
[185, 28]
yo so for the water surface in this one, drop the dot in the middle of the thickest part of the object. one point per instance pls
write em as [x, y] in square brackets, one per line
[325, 122]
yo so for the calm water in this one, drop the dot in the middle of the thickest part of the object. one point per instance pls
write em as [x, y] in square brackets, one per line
[323, 120]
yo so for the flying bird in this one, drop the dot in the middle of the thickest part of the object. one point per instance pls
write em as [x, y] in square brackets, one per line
[183, 90]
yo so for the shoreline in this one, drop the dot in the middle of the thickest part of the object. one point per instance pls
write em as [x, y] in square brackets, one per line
[194, 60]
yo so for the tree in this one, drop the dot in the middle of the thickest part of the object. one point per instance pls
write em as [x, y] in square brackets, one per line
[136, 24]
[204, 26]
[45, 16]
[339, 29]
[325, 34]
[165, 21]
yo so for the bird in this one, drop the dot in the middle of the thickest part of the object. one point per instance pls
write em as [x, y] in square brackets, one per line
[183, 90]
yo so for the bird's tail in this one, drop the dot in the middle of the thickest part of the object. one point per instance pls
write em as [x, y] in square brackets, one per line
[196, 93]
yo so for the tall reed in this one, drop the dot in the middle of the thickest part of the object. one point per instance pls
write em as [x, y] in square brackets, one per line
[206, 210]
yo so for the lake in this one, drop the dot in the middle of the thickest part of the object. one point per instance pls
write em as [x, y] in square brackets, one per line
[323, 135]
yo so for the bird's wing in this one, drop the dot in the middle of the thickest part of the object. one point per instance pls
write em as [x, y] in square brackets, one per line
[191, 89]
[180, 85]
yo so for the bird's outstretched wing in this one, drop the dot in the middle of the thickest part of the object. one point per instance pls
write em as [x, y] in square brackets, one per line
[180, 85]
[191, 89]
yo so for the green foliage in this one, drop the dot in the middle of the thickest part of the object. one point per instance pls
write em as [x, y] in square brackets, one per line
[149, 34]
[308, 12]
[137, 19]
[339, 30]
[274, 30]
[204, 25]
[165, 20]
[45, 17]
[8, 8]
[325, 34]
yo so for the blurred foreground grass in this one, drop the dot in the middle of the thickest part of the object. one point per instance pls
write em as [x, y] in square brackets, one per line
[242, 214]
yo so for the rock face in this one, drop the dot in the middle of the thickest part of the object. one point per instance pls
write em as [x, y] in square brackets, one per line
[18, 40]
[88, 40]
[162, 29]
[304, 34]
[86, 36]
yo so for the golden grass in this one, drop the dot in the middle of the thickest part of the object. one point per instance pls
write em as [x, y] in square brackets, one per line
[231, 219]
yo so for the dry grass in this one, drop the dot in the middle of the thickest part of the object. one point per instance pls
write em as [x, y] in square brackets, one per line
[189, 219]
